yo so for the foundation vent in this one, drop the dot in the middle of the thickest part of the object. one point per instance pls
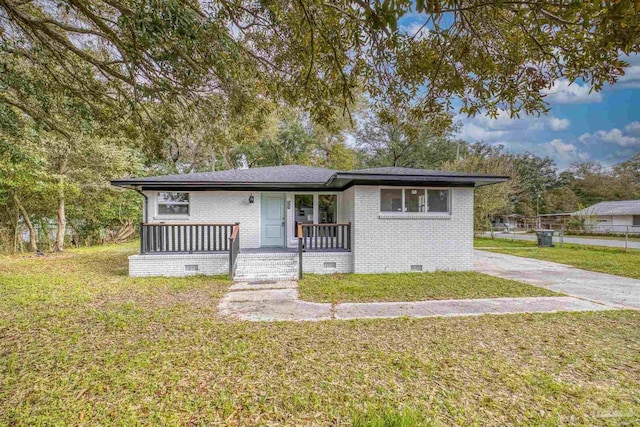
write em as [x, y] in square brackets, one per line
[191, 267]
[329, 265]
[416, 267]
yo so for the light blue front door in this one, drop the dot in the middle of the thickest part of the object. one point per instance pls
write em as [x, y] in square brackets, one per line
[272, 219]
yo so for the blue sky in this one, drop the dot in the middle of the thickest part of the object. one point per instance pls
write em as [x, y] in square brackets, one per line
[580, 126]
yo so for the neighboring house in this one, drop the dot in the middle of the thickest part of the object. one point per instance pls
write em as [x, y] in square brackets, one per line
[553, 221]
[275, 222]
[612, 217]
[508, 222]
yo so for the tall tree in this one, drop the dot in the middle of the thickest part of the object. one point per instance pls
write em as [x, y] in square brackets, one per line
[316, 55]
[495, 199]
[391, 138]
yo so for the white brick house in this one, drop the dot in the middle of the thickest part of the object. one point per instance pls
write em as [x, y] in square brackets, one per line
[285, 220]
[620, 216]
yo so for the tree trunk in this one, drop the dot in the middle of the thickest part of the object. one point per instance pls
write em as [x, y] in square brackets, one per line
[62, 218]
[62, 223]
[33, 238]
[17, 246]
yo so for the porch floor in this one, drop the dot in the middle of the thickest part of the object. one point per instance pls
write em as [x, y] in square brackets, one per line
[285, 250]
[268, 250]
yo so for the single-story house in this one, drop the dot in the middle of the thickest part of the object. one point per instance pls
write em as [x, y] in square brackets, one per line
[278, 222]
[612, 217]
[508, 222]
[553, 221]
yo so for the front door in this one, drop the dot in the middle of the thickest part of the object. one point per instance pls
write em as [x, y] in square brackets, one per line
[272, 219]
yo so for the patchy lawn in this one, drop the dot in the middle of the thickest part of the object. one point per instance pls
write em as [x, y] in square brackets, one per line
[487, 242]
[594, 258]
[631, 238]
[82, 344]
[412, 287]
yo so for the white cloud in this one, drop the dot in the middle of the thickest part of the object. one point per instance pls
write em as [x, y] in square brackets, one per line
[504, 127]
[564, 92]
[558, 124]
[613, 136]
[633, 128]
[631, 78]
[473, 132]
[563, 152]
[562, 147]
[415, 29]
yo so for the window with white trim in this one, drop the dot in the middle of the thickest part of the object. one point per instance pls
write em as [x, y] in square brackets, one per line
[438, 201]
[391, 199]
[313, 208]
[173, 203]
[415, 200]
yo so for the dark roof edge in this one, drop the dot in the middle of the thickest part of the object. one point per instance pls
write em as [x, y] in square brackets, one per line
[138, 183]
[355, 179]
[347, 175]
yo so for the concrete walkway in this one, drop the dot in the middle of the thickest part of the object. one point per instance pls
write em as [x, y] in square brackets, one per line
[613, 243]
[279, 302]
[613, 291]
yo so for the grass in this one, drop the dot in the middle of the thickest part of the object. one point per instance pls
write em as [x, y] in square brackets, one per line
[631, 238]
[412, 287]
[595, 258]
[83, 344]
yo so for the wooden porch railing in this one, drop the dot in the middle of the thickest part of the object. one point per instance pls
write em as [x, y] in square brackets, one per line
[234, 249]
[167, 238]
[184, 238]
[322, 237]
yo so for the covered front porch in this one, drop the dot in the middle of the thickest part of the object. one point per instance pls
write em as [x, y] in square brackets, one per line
[178, 249]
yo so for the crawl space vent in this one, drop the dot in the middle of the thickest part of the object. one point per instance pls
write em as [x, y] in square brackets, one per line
[329, 265]
[416, 267]
[191, 267]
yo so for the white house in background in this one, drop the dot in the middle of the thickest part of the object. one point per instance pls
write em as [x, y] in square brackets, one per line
[278, 222]
[617, 217]
[508, 222]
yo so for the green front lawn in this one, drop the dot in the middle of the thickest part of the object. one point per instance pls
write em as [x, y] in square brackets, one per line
[412, 287]
[487, 242]
[595, 258]
[631, 238]
[83, 344]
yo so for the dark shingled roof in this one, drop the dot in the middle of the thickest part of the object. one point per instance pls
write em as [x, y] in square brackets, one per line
[620, 207]
[270, 174]
[410, 172]
[306, 177]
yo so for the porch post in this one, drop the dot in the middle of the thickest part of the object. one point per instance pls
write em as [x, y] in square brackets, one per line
[299, 251]
[142, 238]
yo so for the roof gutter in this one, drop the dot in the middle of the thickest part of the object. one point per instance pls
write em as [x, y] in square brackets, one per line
[331, 179]
[145, 214]
[500, 178]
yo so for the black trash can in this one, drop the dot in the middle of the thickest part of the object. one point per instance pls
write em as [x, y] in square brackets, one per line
[545, 238]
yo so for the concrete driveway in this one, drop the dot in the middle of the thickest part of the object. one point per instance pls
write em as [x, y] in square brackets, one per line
[614, 291]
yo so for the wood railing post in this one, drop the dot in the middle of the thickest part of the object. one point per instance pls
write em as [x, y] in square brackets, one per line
[234, 247]
[142, 237]
[231, 263]
[300, 248]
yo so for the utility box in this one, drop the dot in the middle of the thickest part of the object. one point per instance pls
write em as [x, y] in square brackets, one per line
[545, 238]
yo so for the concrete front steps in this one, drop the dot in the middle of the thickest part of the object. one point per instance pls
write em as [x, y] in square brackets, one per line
[266, 267]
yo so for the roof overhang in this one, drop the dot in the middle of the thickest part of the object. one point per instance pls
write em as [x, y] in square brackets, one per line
[349, 179]
[339, 181]
[208, 185]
